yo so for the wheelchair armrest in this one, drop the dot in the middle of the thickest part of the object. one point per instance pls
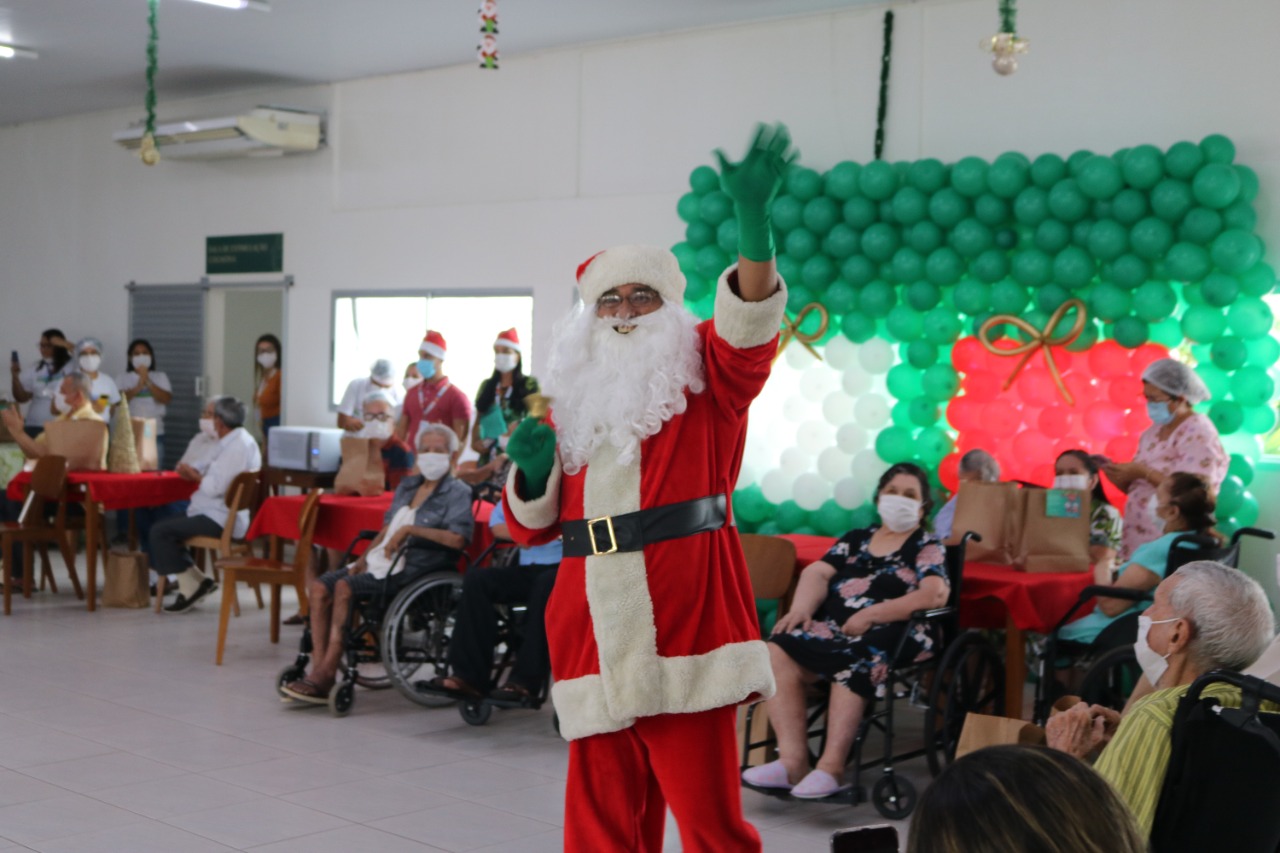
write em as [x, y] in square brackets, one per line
[1252, 531]
[1115, 592]
[362, 536]
[935, 613]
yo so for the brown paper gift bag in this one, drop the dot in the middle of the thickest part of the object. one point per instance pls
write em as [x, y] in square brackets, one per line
[1052, 544]
[83, 443]
[994, 512]
[144, 437]
[982, 730]
[126, 583]
[361, 472]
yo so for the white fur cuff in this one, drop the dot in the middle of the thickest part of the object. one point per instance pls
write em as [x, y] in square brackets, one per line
[538, 513]
[743, 324]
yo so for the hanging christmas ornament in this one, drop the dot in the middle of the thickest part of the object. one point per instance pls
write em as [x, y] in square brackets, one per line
[148, 152]
[1005, 45]
[487, 50]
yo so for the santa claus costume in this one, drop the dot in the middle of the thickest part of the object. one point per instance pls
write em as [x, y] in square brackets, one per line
[655, 643]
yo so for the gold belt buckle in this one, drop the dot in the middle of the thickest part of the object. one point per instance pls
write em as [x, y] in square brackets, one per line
[591, 534]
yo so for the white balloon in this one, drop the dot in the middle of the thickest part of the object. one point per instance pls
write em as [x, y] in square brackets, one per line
[817, 382]
[876, 356]
[837, 408]
[814, 436]
[795, 462]
[856, 381]
[796, 356]
[851, 438]
[840, 352]
[776, 486]
[747, 475]
[849, 493]
[796, 408]
[810, 491]
[867, 468]
[833, 464]
[871, 411]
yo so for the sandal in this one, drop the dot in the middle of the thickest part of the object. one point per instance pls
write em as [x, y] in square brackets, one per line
[511, 692]
[452, 685]
[295, 619]
[819, 784]
[305, 690]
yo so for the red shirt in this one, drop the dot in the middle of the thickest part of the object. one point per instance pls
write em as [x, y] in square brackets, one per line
[437, 402]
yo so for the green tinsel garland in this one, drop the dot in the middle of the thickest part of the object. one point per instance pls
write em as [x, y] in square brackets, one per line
[149, 153]
[883, 105]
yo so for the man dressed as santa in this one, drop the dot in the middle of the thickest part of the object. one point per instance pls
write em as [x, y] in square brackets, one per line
[652, 627]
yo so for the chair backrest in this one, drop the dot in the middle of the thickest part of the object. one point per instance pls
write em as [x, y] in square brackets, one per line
[771, 562]
[243, 491]
[1190, 547]
[307, 528]
[48, 480]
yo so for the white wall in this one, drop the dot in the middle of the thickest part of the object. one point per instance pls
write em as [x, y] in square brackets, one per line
[462, 178]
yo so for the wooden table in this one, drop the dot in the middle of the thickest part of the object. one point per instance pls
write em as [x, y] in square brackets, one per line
[995, 597]
[101, 491]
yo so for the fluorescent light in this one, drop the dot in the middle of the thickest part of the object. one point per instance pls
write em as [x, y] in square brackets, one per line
[256, 5]
[8, 51]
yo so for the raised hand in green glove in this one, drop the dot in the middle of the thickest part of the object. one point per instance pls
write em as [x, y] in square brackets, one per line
[533, 448]
[753, 182]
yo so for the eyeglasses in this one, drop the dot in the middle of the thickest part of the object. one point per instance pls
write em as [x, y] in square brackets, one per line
[639, 299]
[382, 417]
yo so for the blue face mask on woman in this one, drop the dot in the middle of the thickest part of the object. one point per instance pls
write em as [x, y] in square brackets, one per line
[426, 367]
[1160, 413]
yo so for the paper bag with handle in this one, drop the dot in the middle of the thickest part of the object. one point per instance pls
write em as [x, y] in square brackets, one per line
[126, 582]
[361, 472]
[144, 438]
[994, 512]
[1055, 531]
[83, 443]
[982, 730]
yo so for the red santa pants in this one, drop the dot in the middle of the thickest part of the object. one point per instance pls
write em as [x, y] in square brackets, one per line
[621, 782]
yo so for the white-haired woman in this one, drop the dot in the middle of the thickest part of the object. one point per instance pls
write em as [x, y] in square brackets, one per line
[1178, 439]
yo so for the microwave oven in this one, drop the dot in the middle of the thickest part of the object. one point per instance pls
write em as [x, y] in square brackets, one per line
[294, 448]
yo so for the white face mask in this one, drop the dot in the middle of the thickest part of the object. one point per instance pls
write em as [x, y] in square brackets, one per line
[89, 363]
[206, 428]
[60, 403]
[899, 512]
[433, 466]
[1153, 663]
[411, 382]
[1077, 482]
[505, 362]
[140, 361]
[376, 429]
[267, 360]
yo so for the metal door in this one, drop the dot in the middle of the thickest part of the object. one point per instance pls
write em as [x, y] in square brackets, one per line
[171, 317]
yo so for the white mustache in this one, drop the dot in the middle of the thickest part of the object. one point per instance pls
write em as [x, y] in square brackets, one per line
[640, 320]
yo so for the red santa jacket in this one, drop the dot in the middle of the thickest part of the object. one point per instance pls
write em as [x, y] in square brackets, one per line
[671, 629]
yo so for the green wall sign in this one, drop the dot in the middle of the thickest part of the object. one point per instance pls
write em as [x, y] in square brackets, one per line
[244, 253]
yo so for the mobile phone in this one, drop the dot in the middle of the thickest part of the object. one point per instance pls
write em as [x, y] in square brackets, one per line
[881, 838]
[14, 356]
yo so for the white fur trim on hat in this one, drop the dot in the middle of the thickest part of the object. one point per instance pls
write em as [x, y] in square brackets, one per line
[650, 265]
[431, 350]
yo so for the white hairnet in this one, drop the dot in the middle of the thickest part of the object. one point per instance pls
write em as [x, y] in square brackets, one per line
[1177, 380]
[382, 370]
[91, 343]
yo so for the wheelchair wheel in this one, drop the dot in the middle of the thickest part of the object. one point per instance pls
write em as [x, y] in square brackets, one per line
[416, 632]
[1111, 678]
[370, 674]
[894, 796]
[970, 677]
[341, 697]
[288, 675]
[476, 713]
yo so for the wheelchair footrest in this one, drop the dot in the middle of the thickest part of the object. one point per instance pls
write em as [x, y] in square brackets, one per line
[849, 797]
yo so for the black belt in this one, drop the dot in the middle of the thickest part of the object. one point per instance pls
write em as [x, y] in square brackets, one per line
[631, 531]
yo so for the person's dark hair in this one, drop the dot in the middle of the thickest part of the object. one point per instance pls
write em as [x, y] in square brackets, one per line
[230, 411]
[926, 499]
[128, 353]
[60, 356]
[275, 342]
[519, 389]
[1194, 498]
[1022, 799]
[1093, 464]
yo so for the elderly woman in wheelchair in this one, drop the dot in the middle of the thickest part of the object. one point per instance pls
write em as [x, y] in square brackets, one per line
[428, 505]
[847, 618]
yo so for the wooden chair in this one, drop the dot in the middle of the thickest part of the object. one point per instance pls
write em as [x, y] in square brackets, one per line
[772, 564]
[242, 494]
[273, 572]
[36, 531]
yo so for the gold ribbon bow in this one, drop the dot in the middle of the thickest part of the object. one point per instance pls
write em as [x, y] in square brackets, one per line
[791, 330]
[1040, 339]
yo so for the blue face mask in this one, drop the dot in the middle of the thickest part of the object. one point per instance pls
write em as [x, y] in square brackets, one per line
[1159, 413]
[426, 367]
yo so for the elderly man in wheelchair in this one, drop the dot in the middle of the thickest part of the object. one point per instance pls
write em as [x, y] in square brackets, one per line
[429, 507]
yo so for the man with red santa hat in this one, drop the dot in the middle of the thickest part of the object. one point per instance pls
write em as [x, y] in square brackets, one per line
[652, 627]
[435, 400]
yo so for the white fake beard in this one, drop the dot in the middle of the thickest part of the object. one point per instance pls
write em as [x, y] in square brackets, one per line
[620, 388]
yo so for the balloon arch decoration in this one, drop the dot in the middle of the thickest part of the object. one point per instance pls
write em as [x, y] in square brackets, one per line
[1009, 305]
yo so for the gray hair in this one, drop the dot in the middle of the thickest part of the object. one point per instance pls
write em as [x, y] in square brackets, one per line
[982, 463]
[441, 429]
[1229, 613]
[230, 411]
[378, 396]
[94, 343]
[82, 382]
[1177, 380]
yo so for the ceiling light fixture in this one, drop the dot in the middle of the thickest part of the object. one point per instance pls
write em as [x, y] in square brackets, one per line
[256, 5]
[8, 51]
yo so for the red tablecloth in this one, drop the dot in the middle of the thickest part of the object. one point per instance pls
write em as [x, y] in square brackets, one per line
[342, 517]
[991, 595]
[119, 491]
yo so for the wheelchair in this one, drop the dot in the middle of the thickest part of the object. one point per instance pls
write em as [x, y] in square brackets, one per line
[966, 674]
[1111, 668]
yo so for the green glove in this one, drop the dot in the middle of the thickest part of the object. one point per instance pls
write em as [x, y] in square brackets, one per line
[752, 184]
[533, 448]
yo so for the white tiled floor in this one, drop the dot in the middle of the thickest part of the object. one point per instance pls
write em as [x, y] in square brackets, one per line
[118, 733]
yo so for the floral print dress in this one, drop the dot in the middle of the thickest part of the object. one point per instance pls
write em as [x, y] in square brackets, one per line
[862, 579]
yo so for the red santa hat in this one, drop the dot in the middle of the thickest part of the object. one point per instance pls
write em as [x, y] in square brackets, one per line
[508, 339]
[433, 345]
[650, 265]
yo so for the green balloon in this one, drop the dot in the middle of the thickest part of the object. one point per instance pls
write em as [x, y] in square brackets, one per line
[1154, 301]
[894, 444]
[1167, 332]
[1218, 148]
[922, 295]
[877, 298]
[947, 207]
[801, 244]
[1067, 202]
[858, 212]
[1241, 468]
[1143, 167]
[1049, 297]
[1247, 514]
[943, 267]
[1250, 317]
[840, 298]
[1108, 239]
[686, 255]
[878, 180]
[1240, 215]
[1259, 420]
[787, 213]
[910, 205]
[1220, 289]
[1193, 294]
[858, 327]
[1230, 493]
[1100, 177]
[1183, 160]
[1031, 207]
[990, 266]
[924, 236]
[1171, 200]
[1130, 332]
[969, 176]
[1216, 185]
[1031, 268]
[990, 210]
[904, 381]
[904, 324]
[1235, 251]
[920, 354]
[900, 414]
[1252, 386]
[1007, 177]
[1200, 226]
[880, 241]
[941, 326]
[1248, 183]
[841, 182]
[697, 288]
[1263, 351]
[932, 445]
[1215, 379]
[749, 504]
[818, 272]
[700, 234]
[970, 237]
[841, 241]
[1187, 262]
[831, 519]
[940, 382]
[1129, 271]
[789, 269]
[972, 297]
[820, 215]
[1075, 163]
[928, 175]
[1109, 302]
[1151, 238]
[688, 207]
[858, 270]
[1080, 232]
[1227, 417]
[1047, 170]
[704, 179]
[1129, 206]
[715, 207]
[1008, 297]
[1203, 323]
[798, 297]
[789, 515]
[1073, 268]
[804, 184]
[727, 236]
[923, 412]
[771, 528]
[907, 265]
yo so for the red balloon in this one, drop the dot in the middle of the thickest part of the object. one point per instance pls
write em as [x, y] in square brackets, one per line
[1114, 495]
[1144, 355]
[1104, 420]
[1082, 387]
[1041, 474]
[982, 386]
[1063, 357]
[964, 414]
[1136, 421]
[968, 354]
[1124, 391]
[1121, 448]
[1109, 359]
[949, 471]
[975, 440]
[1037, 387]
[1002, 418]
[1055, 421]
[1033, 446]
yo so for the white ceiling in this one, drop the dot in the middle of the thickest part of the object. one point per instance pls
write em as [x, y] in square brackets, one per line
[92, 52]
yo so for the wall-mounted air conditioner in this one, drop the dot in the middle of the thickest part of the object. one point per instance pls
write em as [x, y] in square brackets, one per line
[262, 132]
